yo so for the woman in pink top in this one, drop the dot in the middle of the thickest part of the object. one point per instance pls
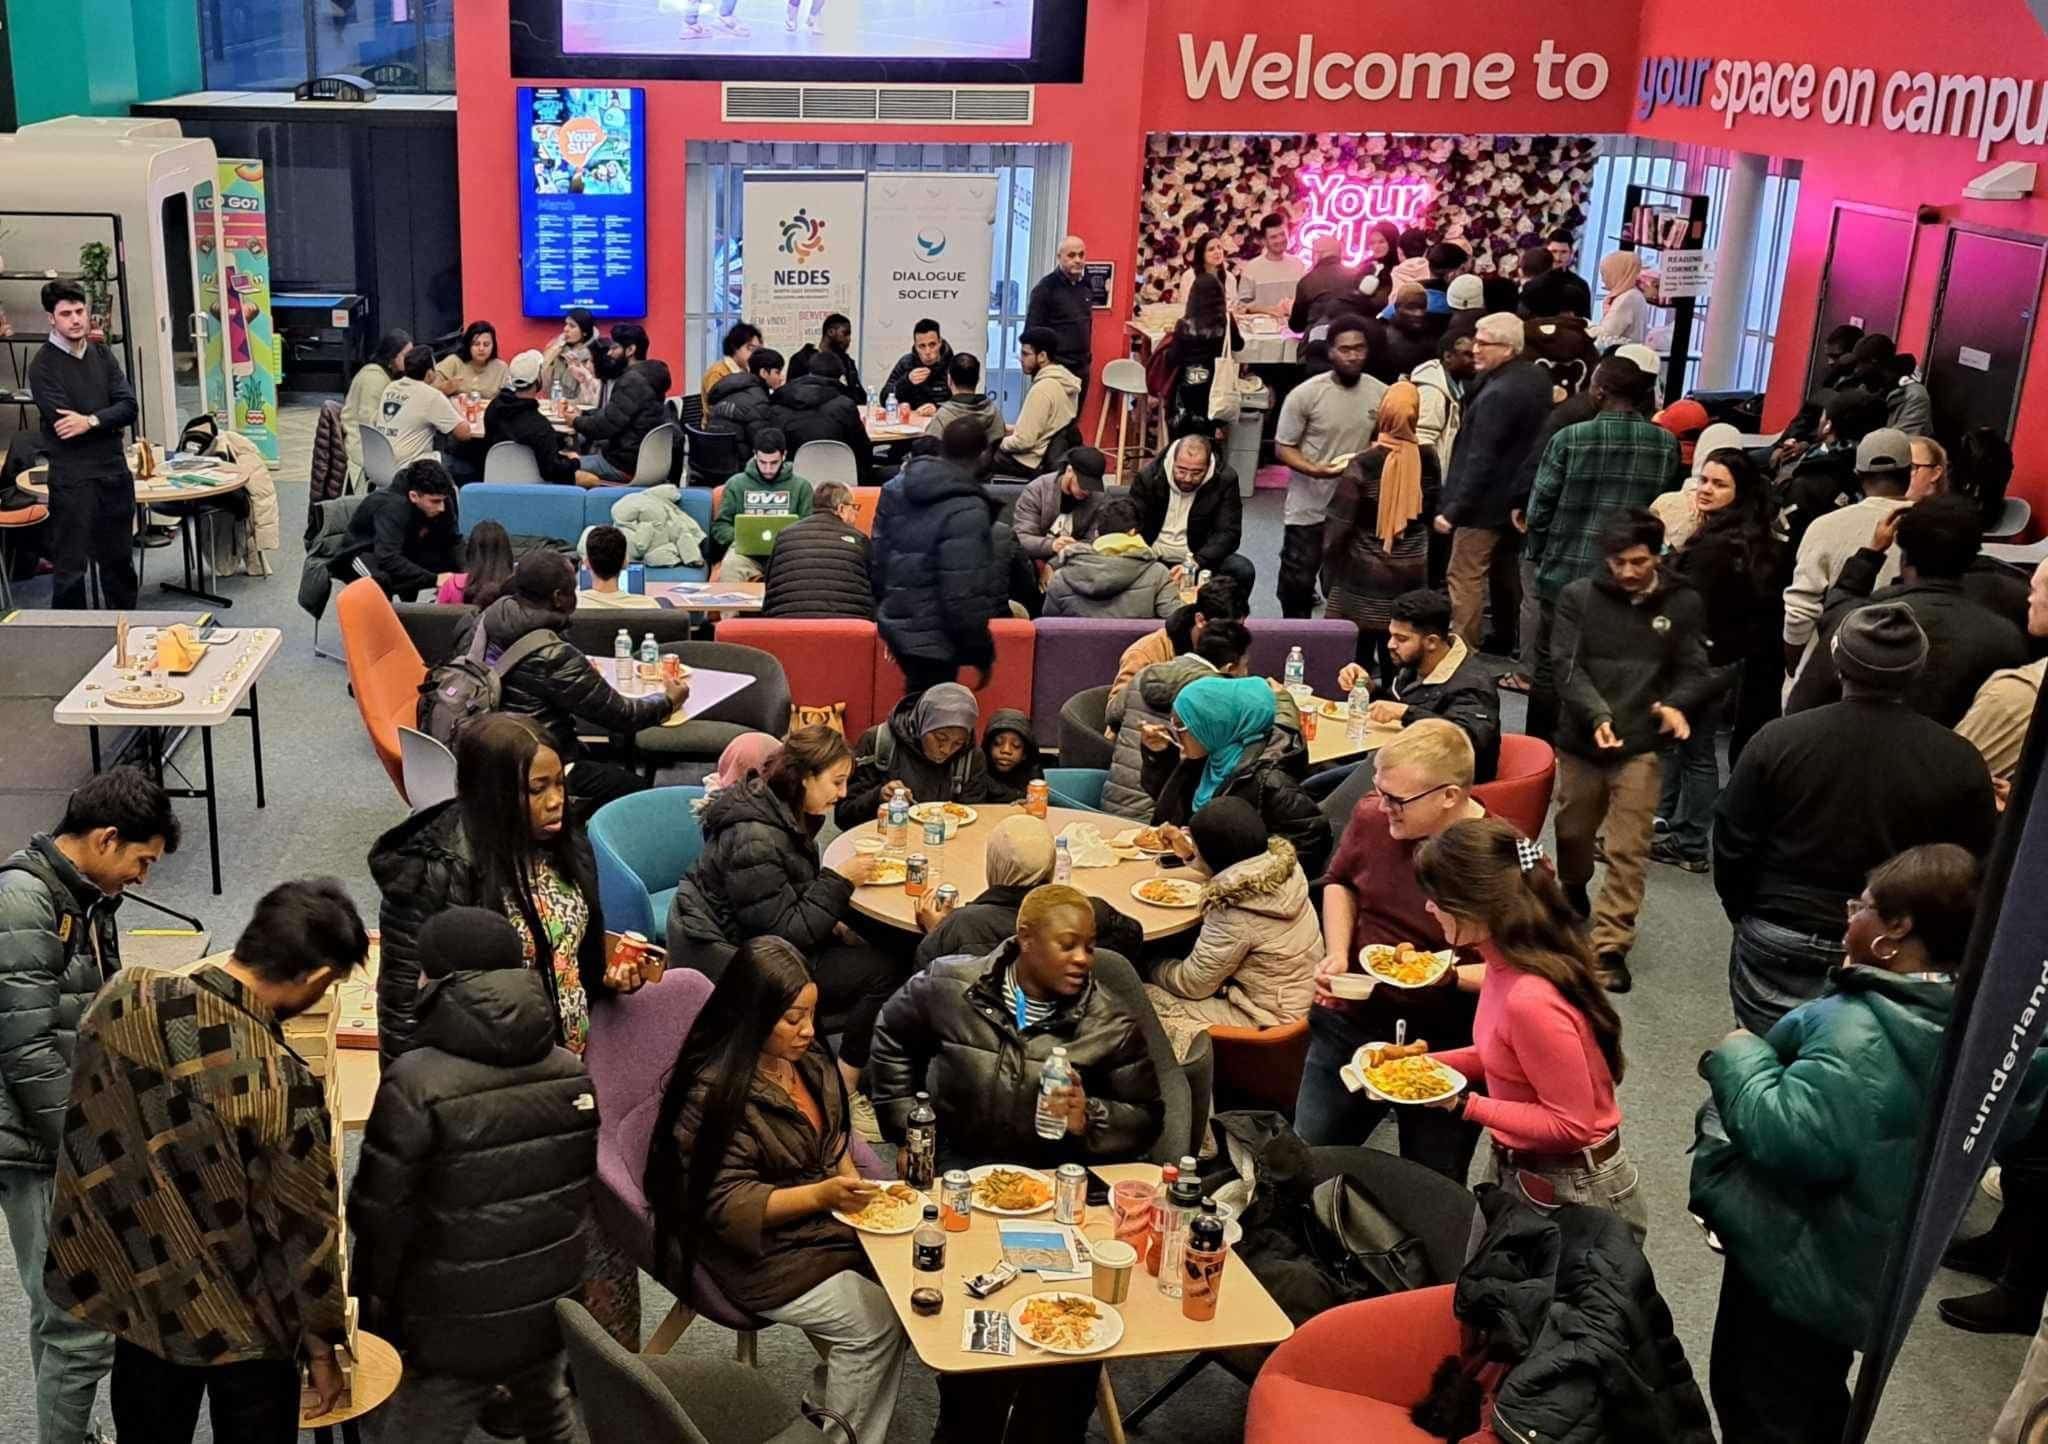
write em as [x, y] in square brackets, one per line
[1546, 1044]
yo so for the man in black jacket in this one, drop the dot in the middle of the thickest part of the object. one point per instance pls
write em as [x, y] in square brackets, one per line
[1548, 290]
[1061, 303]
[514, 416]
[1439, 676]
[822, 566]
[85, 405]
[1505, 407]
[919, 378]
[470, 1200]
[633, 406]
[1193, 511]
[1938, 540]
[554, 683]
[835, 339]
[746, 403]
[404, 537]
[59, 941]
[1329, 290]
[1629, 652]
[1819, 799]
[935, 566]
[814, 406]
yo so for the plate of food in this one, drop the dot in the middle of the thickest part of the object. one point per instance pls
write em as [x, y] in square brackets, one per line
[1403, 965]
[1010, 1191]
[1149, 840]
[1060, 1322]
[1335, 711]
[1415, 1079]
[889, 872]
[895, 1208]
[955, 815]
[1168, 892]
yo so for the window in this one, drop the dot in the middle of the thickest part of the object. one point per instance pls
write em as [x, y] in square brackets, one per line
[402, 45]
[1030, 210]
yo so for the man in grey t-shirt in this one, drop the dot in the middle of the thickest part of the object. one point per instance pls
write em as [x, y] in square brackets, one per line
[1327, 420]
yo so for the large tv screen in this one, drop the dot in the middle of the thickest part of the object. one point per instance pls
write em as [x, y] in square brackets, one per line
[583, 200]
[961, 41]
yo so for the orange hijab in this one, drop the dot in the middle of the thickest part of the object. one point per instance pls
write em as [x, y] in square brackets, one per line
[1401, 473]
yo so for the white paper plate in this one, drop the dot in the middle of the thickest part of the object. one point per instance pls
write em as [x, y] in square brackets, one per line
[1356, 1068]
[978, 1174]
[895, 879]
[1109, 1328]
[917, 1218]
[929, 811]
[1192, 892]
[1128, 841]
[1445, 956]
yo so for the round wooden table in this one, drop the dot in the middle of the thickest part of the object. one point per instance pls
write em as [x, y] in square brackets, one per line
[35, 480]
[378, 1371]
[964, 856]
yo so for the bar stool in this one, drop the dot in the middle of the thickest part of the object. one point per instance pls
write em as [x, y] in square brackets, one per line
[21, 516]
[1125, 378]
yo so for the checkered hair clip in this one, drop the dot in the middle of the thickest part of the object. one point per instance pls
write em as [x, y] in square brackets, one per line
[1528, 854]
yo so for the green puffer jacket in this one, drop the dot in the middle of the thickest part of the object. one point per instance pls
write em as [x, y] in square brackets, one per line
[1804, 1156]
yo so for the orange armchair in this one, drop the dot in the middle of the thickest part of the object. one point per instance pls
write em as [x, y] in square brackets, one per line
[1521, 787]
[1355, 1371]
[384, 670]
[1260, 1067]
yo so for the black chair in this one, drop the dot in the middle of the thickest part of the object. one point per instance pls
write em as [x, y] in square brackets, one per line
[1081, 722]
[763, 707]
[1002, 498]
[434, 626]
[713, 456]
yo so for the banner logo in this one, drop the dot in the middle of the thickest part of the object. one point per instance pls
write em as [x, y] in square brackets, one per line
[931, 241]
[803, 236]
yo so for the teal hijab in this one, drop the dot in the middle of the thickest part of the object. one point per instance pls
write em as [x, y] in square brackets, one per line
[1231, 717]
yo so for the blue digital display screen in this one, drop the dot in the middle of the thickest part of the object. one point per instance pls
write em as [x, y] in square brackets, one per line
[583, 200]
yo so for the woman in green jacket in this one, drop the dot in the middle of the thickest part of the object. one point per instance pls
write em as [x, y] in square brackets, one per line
[1805, 1154]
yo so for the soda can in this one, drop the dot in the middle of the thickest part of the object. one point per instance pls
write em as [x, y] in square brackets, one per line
[1070, 1194]
[903, 412]
[1037, 796]
[917, 874]
[947, 896]
[956, 1199]
[671, 667]
[1308, 725]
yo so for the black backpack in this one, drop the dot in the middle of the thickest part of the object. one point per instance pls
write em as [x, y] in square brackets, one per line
[463, 688]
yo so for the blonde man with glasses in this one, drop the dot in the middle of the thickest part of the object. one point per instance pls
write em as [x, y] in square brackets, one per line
[1421, 784]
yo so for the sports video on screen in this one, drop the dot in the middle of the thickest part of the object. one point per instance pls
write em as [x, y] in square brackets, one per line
[879, 30]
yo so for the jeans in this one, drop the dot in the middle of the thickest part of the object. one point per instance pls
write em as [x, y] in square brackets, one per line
[1328, 1114]
[92, 519]
[157, 1402]
[1773, 1381]
[594, 463]
[735, 567]
[1617, 800]
[1614, 1185]
[1772, 969]
[1301, 569]
[1238, 567]
[850, 1317]
[442, 1408]
[1692, 783]
[68, 1358]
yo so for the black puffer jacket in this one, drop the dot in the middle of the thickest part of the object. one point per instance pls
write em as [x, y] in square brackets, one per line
[1571, 1300]
[423, 866]
[821, 567]
[51, 922]
[1268, 779]
[758, 876]
[935, 566]
[741, 403]
[633, 409]
[891, 752]
[517, 419]
[948, 1030]
[556, 686]
[811, 408]
[469, 1202]
[978, 927]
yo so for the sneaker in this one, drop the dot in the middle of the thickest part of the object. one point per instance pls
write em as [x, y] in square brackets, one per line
[1616, 978]
[730, 26]
[1998, 1310]
[1666, 851]
[1659, 826]
[1582, 903]
[692, 31]
[789, 22]
[864, 1121]
[1994, 1183]
[816, 25]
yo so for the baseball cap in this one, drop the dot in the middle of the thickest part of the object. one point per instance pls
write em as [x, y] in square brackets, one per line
[1089, 465]
[524, 370]
[1644, 359]
[1881, 647]
[1884, 450]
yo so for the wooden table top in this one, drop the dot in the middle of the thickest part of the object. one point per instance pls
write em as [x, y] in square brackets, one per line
[966, 854]
[186, 487]
[1153, 1323]
[1331, 744]
[378, 1371]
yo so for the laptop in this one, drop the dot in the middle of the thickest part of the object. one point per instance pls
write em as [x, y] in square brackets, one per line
[754, 533]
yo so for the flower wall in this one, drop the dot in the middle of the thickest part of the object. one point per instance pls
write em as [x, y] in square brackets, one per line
[1493, 193]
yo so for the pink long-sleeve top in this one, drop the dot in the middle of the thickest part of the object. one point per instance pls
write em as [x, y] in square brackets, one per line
[1548, 1088]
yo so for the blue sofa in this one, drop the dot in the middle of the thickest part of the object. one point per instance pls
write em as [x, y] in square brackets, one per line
[526, 508]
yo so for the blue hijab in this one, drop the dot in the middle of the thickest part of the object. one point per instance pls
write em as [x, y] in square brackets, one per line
[1231, 717]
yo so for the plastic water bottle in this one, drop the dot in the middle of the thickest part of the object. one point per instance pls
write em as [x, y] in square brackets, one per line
[555, 391]
[1183, 1202]
[1295, 676]
[1054, 1076]
[896, 836]
[921, 1144]
[935, 853]
[622, 658]
[650, 651]
[889, 404]
[1354, 720]
[1162, 1199]
[1062, 861]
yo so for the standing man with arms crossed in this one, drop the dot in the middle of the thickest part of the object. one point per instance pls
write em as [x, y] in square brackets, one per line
[58, 943]
[1060, 303]
[85, 403]
[1326, 421]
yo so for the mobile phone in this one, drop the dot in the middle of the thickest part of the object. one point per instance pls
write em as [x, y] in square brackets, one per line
[1098, 1190]
[1170, 859]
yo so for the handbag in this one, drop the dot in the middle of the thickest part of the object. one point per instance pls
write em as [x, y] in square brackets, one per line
[1223, 390]
[1360, 1244]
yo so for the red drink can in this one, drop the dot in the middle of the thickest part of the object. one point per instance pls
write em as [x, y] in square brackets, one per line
[671, 667]
[1308, 725]
[1037, 796]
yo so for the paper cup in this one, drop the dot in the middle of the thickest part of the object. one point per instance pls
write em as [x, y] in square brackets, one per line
[1112, 1261]
[1353, 986]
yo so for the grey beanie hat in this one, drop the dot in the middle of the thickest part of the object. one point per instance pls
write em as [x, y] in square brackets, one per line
[1880, 647]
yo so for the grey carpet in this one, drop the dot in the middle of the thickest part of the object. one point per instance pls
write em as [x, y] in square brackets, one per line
[329, 799]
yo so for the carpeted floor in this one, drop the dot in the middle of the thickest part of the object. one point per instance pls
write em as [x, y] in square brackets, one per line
[329, 799]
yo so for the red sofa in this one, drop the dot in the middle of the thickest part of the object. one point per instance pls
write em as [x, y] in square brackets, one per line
[1016, 656]
[825, 661]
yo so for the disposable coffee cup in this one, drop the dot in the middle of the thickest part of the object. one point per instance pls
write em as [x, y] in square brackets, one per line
[1112, 1261]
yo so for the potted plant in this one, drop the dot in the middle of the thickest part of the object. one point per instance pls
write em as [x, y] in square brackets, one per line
[94, 259]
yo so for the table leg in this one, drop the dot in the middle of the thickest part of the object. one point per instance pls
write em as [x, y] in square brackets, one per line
[256, 742]
[212, 814]
[324, 1434]
[1105, 1405]
[92, 735]
[194, 554]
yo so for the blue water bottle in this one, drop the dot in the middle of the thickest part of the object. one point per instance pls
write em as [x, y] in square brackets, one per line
[636, 578]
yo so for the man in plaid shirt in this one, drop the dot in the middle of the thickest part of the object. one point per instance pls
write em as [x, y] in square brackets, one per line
[1619, 461]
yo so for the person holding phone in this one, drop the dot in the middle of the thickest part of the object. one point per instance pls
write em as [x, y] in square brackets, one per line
[1546, 1043]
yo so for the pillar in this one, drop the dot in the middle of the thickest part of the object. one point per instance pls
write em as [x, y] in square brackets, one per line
[1734, 269]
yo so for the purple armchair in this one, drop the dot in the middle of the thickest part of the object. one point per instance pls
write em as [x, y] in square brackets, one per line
[1075, 653]
[1326, 645]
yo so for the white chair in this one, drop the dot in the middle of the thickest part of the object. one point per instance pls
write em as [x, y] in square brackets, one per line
[657, 455]
[428, 768]
[511, 461]
[1125, 379]
[821, 461]
[2012, 518]
[379, 464]
[2031, 555]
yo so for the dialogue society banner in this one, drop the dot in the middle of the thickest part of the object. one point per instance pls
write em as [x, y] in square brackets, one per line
[930, 247]
[803, 252]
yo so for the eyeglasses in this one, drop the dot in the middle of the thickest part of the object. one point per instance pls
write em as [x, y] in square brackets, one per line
[1394, 804]
[1856, 905]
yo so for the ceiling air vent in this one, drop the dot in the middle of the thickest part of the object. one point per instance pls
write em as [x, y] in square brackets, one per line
[880, 104]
